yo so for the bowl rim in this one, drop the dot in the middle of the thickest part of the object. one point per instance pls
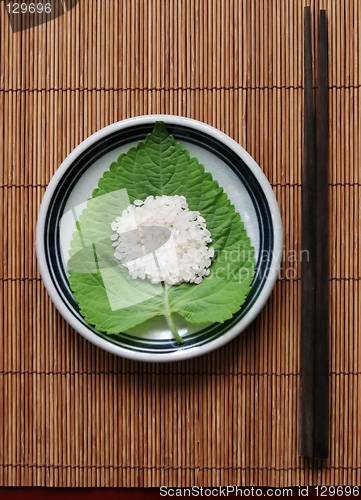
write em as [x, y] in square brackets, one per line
[182, 354]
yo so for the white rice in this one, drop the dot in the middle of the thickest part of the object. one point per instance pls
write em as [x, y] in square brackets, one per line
[184, 257]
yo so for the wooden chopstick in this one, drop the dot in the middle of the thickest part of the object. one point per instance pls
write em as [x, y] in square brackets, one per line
[321, 394]
[308, 282]
[314, 361]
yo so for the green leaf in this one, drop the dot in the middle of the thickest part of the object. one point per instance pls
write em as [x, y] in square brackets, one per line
[109, 299]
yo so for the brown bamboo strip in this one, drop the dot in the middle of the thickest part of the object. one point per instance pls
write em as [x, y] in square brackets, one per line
[353, 266]
[212, 27]
[150, 28]
[2, 312]
[333, 243]
[357, 391]
[17, 265]
[111, 43]
[339, 334]
[166, 19]
[337, 263]
[172, 56]
[275, 131]
[206, 56]
[25, 311]
[267, 454]
[208, 421]
[9, 298]
[284, 56]
[197, 56]
[291, 424]
[103, 412]
[4, 102]
[165, 88]
[146, 373]
[350, 391]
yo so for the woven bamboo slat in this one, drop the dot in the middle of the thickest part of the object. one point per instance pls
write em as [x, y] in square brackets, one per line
[73, 415]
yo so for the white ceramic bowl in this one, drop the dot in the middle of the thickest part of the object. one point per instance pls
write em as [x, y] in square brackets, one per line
[236, 172]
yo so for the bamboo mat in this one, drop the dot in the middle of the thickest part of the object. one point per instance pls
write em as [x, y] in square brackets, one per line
[73, 415]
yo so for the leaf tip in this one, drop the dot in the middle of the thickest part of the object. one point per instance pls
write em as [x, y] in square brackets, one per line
[160, 130]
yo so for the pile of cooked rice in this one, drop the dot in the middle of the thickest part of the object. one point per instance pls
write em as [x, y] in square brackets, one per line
[182, 256]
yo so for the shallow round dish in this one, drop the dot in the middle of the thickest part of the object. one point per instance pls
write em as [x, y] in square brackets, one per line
[240, 177]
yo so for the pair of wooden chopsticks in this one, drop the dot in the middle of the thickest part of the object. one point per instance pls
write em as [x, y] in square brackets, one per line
[314, 360]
